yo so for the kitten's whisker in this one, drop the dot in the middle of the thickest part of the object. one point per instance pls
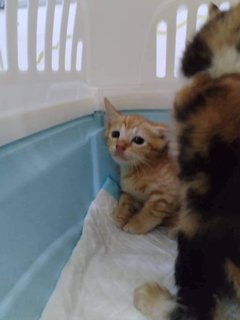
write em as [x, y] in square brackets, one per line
[145, 162]
[136, 167]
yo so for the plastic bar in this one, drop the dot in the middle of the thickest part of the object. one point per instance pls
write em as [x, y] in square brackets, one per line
[32, 34]
[49, 35]
[63, 34]
[11, 22]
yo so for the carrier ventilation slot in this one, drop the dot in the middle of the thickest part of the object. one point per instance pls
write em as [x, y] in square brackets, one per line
[79, 56]
[3, 39]
[41, 35]
[22, 35]
[202, 14]
[181, 34]
[161, 49]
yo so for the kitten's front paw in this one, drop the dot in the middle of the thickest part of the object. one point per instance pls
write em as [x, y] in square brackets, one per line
[152, 300]
[136, 226]
[121, 217]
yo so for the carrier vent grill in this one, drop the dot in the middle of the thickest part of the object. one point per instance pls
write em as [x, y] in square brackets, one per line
[41, 36]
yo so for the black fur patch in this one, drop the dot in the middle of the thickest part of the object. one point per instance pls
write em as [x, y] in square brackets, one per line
[197, 201]
[217, 90]
[190, 167]
[200, 265]
[200, 275]
[180, 313]
[238, 47]
[199, 101]
[222, 167]
[197, 57]
[185, 138]
[183, 112]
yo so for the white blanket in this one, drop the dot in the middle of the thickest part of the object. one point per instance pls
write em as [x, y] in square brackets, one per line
[107, 265]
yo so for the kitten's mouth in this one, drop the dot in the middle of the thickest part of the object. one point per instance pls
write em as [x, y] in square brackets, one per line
[120, 156]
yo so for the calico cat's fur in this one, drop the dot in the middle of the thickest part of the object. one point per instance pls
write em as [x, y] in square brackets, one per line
[207, 125]
[148, 175]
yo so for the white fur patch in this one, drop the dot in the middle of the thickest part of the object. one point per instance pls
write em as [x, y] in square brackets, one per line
[228, 309]
[225, 61]
[135, 131]
[124, 134]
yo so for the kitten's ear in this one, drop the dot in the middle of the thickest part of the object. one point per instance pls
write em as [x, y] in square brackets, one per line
[213, 10]
[111, 113]
[161, 130]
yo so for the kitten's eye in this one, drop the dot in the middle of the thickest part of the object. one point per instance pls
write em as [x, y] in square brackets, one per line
[115, 134]
[138, 140]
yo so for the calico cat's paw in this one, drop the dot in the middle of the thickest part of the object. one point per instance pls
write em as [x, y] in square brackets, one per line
[153, 301]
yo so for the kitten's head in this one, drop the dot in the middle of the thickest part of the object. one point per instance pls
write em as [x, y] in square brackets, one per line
[216, 46]
[133, 140]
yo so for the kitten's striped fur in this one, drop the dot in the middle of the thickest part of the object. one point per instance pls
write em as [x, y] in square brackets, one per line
[148, 174]
[207, 124]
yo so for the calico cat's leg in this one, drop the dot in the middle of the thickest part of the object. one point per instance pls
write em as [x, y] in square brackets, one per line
[156, 303]
[199, 276]
[154, 211]
[126, 208]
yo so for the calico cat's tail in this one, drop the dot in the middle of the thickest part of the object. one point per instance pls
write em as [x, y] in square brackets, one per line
[216, 47]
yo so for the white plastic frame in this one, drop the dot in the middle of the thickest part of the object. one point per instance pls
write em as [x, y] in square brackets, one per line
[119, 61]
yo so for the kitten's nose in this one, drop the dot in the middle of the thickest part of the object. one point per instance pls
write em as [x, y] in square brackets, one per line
[120, 147]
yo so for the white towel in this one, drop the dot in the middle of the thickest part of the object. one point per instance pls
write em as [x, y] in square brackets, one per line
[106, 266]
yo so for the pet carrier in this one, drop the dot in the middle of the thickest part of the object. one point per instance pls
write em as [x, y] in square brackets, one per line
[58, 59]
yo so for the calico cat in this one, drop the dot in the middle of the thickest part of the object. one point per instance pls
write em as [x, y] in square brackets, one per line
[148, 175]
[207, 125]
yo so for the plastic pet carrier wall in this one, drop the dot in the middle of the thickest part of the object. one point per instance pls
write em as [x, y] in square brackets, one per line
[58, 59]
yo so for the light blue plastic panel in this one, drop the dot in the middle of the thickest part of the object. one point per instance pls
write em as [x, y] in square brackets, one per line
[48, 181]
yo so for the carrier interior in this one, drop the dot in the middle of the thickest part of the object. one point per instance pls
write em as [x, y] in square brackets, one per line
[58, 59]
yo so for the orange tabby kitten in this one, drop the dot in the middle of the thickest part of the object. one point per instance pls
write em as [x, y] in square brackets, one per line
[148, 175]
